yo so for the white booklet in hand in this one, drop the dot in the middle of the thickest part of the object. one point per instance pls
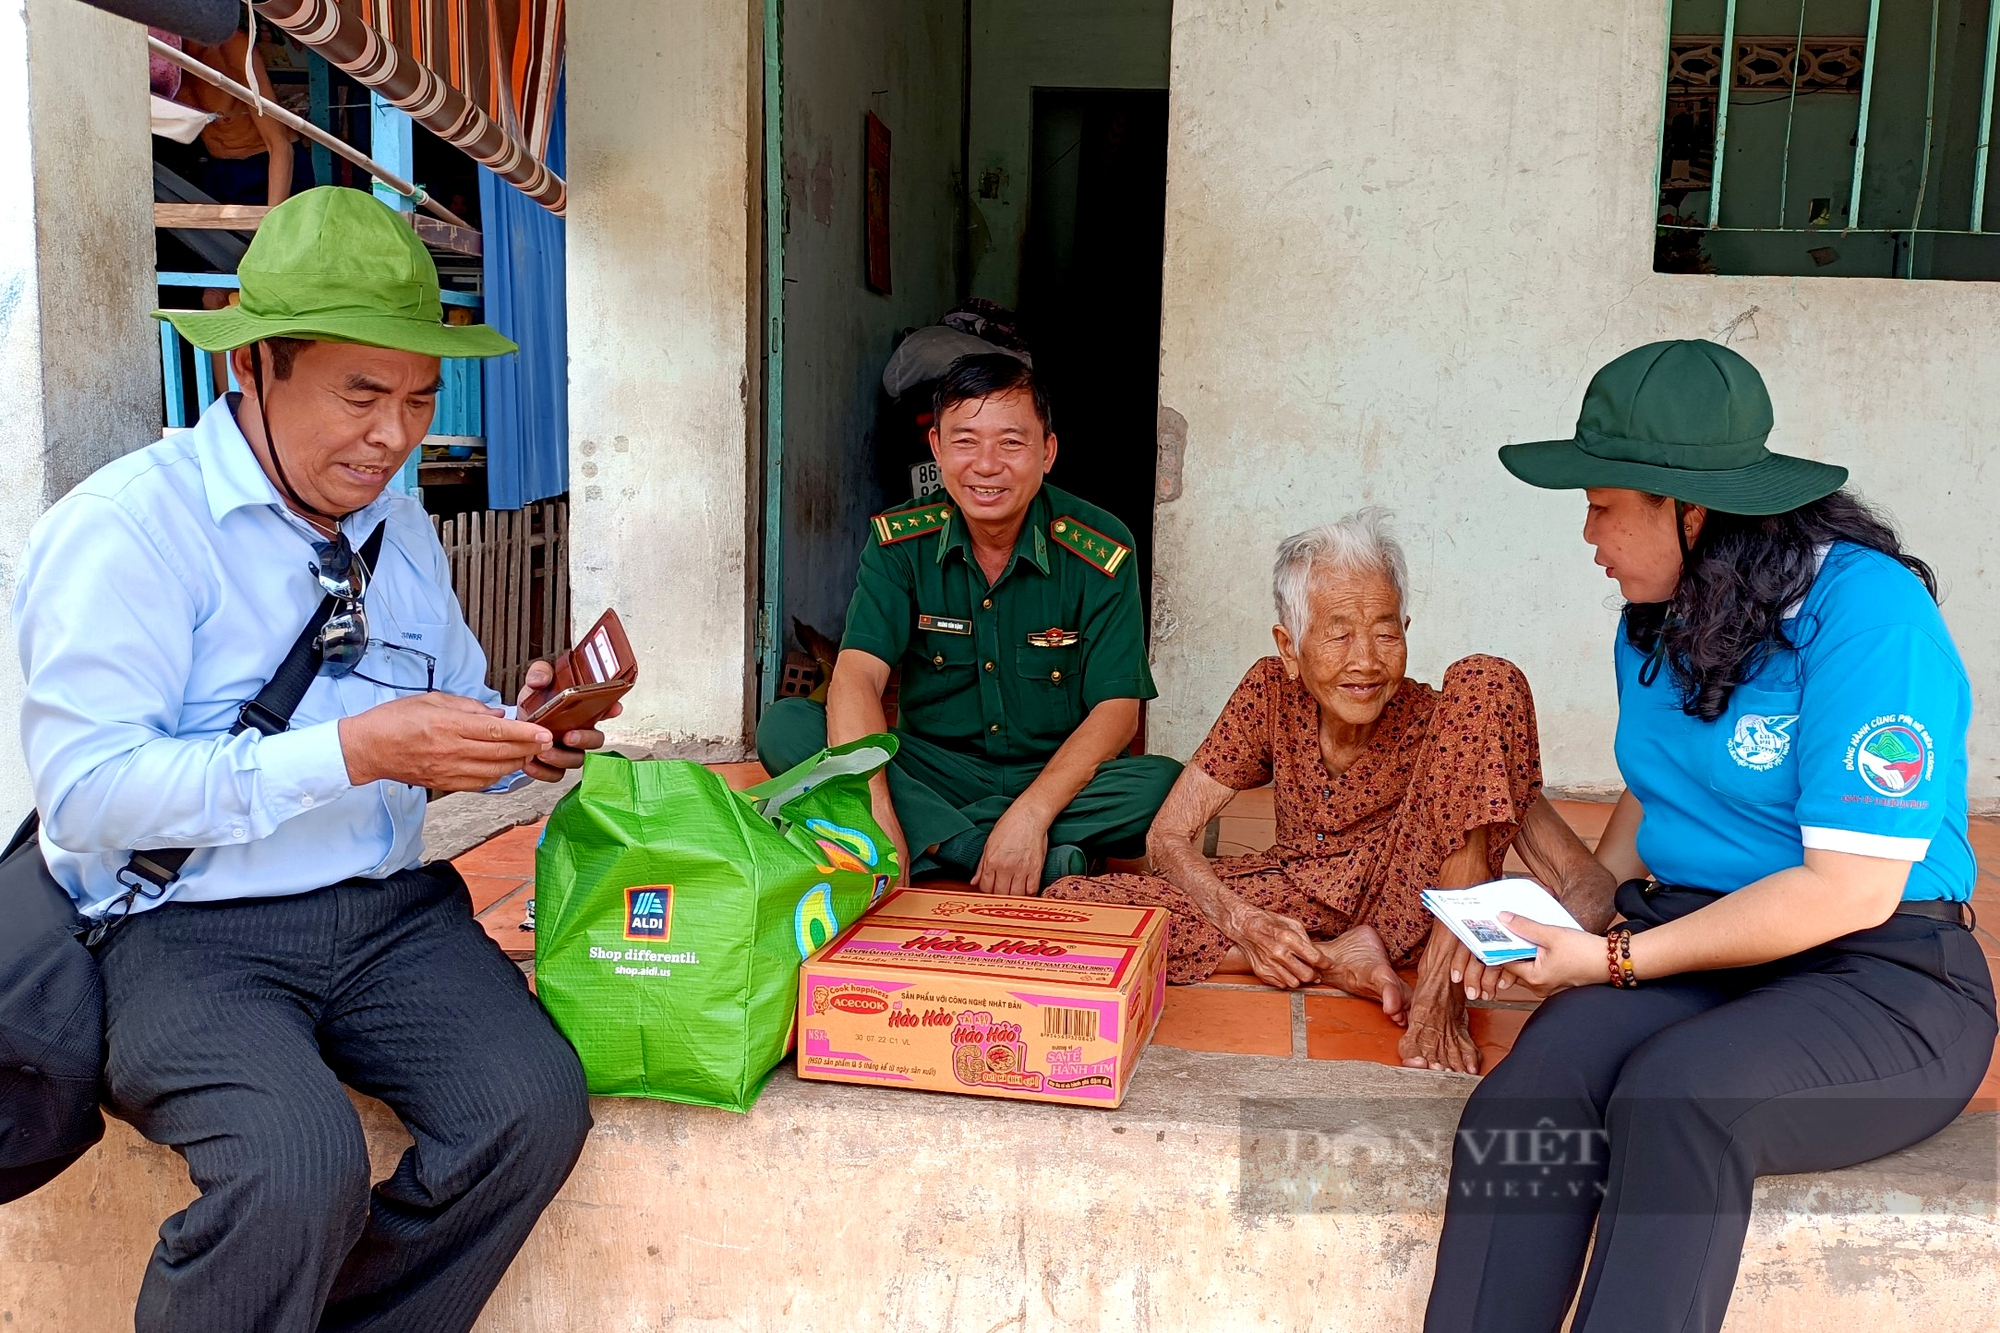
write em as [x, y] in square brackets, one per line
[1474, 916]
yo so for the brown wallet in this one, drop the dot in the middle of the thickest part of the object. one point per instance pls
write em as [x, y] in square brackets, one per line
[590, 677]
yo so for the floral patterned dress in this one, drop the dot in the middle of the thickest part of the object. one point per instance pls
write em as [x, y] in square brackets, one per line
[1362, 846]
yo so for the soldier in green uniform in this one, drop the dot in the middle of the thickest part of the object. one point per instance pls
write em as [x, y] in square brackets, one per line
[1013, 609]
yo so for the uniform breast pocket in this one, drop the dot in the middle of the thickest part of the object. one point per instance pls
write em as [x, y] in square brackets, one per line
[946, 653]
[1051, 686]
[938, 671]
[402, 654]
[1751, 755]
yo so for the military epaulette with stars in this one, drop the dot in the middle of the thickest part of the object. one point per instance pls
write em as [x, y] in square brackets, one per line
[899, 525]
[1091, 546]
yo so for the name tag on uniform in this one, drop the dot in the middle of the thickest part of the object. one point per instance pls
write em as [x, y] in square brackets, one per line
[944, 624]
[1054, 638]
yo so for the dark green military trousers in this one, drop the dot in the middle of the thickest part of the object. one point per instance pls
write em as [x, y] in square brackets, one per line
[942, 793]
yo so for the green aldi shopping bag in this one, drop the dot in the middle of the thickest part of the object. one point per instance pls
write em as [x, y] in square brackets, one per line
[671, 914]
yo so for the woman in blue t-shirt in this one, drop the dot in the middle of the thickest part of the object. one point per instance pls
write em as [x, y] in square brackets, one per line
[1787, 985]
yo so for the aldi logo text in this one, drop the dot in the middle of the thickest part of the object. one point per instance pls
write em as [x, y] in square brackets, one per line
[649, 912]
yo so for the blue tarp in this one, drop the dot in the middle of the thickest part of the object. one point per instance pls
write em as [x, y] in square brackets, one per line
[527, 394]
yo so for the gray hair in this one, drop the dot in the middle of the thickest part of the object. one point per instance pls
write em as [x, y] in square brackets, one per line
[1359, 543]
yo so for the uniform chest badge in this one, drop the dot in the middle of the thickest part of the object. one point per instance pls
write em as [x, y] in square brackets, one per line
[1761, 742]
[1055, 638]
[944, 624]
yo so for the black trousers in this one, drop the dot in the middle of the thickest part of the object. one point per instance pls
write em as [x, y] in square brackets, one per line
[1651, 1112]
[230, 1029]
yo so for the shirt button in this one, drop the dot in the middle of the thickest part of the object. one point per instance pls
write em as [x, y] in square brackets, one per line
[989, 666]
[305, 802]
[995, 727]
[1326, 793]
[986, 605]
[1055, 675]
[1319, 837]
[938, 660]
[238, 833]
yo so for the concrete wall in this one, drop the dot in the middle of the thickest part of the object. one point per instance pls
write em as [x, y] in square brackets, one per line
[1021, 45]
[664, 248]
[1400, 236]
[79, 360]
[904, 61]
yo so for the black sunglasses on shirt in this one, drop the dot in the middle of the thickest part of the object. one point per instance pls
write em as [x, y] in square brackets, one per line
[343, 641]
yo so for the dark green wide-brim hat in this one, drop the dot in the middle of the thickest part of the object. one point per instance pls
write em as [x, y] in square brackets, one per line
[337, 265]
[1682, 419]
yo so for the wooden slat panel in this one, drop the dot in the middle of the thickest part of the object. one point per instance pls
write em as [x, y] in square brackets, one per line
[461, 568]
[475, 570]
[551, 572]
[510, 570]
[498, 525]
[511, 551]
[565, 624]
[489, 589]
[434, 232]
[517, 596]
[210, 217]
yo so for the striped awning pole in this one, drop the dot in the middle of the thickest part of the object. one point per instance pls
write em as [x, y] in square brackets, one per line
[350, 43]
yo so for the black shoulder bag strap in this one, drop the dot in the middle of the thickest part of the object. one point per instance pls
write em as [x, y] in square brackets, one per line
[149, 874]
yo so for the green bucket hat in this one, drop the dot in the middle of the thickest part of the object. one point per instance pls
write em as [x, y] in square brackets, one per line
[337, 265]
[1682, 419]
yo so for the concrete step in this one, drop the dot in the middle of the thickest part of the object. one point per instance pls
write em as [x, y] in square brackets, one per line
[1314, 1206]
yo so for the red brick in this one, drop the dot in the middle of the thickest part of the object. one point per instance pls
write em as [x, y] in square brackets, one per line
[1238, 1022]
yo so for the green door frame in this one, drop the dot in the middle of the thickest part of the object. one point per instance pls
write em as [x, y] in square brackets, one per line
[770, 612]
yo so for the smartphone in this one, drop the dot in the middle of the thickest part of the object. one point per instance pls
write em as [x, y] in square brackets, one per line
[578, 706]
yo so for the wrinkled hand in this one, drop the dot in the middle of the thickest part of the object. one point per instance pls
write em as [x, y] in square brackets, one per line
[567, 750]
[1563, 957]
[1277, 947]
[441, 741]
[1012, 862]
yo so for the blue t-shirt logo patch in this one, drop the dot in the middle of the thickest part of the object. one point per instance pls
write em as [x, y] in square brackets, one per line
[1761, 742]
[1891, 759]
[649, 912]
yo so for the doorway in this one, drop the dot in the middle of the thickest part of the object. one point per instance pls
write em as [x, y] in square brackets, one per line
[997, 166]
[1090, 292]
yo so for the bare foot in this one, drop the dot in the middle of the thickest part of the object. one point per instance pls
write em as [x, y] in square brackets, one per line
[1439, 1037]
[1358, 963]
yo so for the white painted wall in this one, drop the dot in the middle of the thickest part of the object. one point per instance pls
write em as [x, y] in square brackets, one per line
[904, 60]
[1399, 236]
[664, 246]
[1021, 45]
[79, 360]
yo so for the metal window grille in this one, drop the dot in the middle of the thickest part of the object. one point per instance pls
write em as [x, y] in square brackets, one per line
[1702, 85]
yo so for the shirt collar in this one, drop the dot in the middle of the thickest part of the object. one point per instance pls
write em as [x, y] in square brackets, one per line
[230, 472]
[1032, 545]
[1819, 563]
[233, 479]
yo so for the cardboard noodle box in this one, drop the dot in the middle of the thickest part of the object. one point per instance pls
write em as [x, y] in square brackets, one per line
[1001, 997]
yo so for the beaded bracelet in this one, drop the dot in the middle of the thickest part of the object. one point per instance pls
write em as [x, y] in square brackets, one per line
[1618, 957]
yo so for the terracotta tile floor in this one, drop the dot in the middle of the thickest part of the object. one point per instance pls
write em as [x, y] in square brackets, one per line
[1233, 1012]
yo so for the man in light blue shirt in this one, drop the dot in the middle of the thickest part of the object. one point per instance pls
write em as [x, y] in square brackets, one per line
[303, 945]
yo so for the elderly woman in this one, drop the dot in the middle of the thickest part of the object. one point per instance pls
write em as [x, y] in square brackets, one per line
[1384, 787]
